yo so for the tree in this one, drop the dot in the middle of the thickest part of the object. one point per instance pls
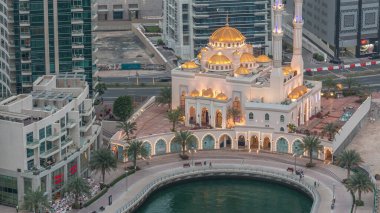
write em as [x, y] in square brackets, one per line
[329, 83]
[310, 144]
[128, 127]
[123, 107]
[185, 139]
[331, 129]
[136, 148]
[349, 159]
[350, 82]
[103, 160]
[359, 182]
[233, 113]
[160, 42]
[100, 88]
[174, 116]
[35, 200]
[165, 96]
[79, 187]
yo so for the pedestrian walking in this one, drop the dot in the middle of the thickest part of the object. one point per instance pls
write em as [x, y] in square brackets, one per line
[318, 183]
[204, 163]
[315, 184]
[210, 165]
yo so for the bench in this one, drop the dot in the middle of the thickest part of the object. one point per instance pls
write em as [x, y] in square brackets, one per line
[186, 165]
[290, 169]
[198, 163]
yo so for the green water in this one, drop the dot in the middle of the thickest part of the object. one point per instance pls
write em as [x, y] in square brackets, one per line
[227, 196]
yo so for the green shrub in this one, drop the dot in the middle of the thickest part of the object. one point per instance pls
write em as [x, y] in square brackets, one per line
[101, 193]
[359, 203]
[184, 157]
[318, 57]
[116, 180]
[309, 165]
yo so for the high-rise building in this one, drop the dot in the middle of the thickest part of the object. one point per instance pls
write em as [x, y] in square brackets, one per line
[47, 137]
[349, 27]
[187, 24]
[6, 43]
[44, 37]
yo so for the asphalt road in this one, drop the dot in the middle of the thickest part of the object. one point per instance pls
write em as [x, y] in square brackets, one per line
[142, 79]
[111, 94]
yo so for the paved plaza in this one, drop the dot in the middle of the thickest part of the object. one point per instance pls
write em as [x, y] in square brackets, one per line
[327, 175]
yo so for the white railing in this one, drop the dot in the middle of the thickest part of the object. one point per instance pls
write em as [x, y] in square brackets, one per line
[228, 171]
[144, 107]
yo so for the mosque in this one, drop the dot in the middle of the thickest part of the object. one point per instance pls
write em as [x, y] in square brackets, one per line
[227, 86]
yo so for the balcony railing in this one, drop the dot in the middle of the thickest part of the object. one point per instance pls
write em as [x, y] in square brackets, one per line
[50, 152]
[32, 144]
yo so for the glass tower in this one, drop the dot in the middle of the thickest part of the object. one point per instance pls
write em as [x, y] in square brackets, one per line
[50, 37]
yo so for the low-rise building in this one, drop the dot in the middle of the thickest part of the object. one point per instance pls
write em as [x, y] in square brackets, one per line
[47, 137]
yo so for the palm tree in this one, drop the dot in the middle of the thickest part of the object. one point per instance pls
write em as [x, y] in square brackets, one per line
[185, 139]
[128, 127]
[233, 113]
[136, 148]
[35, 200]
[359, 182]
[78, 186]
[165, 96]
[331, 129]
[103, 160]
[349, 159]
[174, 116]
[100, 88]
[310, 144]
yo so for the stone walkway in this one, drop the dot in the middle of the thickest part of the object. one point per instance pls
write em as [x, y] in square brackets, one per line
[327, 175]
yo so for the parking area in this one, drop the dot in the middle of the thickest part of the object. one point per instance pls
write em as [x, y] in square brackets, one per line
[118, 47]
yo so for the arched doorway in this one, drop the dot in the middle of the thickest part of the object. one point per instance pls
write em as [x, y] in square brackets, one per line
[328, 155]
[175, 147]
[282, 145]
[192, 118]
[148, 147]
[241, 142]
[182, 100]
[266, 144]
[237, 106]
[218, 119]
[205, 117]
[160, 147]
[194, 144]
[254, 142]
[225, 141]
[297, 147]
[208, 142]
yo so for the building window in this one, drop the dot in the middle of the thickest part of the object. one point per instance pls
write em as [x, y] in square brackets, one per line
[30, 164]
[42, 147]
[48, 131]
[282, 129]
[349, 21]
[29, 153]
[42, 133]
[29, 138]
[250, 116]
[370, 18]
[282, 118]
[63, 122]
[266, 117]
[118, 15]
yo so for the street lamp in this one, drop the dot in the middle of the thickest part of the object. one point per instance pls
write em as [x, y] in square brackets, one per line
[126, 180]
[295, 158]
[192, 155]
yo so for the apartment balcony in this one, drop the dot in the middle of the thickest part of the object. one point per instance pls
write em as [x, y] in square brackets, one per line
[26, 60]
[76, 21]
[86, 126]
[76, 8]
[87, 112]
[24, 34]
[23, 10]
[32, 145]
[26, 72]
[50, 152]
[201, 16]
[66, 143]
[77, 32]
[78, 57]
[71, 124]
[24, 23]
[25, 48]
[78, 69]
[12, 56]
[27, 84]
[77, 45]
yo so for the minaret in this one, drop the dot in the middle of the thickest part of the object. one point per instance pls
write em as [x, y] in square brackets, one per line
[297, 60]
[277, 76]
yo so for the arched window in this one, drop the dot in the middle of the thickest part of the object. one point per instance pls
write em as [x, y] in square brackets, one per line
[282, 118]
[282, 129]
[266, 117]
[250, 116]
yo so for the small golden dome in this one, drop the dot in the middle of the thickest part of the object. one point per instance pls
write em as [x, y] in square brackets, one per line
[242, 71]
[221, 96]
[298, 92]
[207, 93]
[204, 49]
[227, 34]
[189, 65]
[263, 59]
[199, 56]
[219, 59]
[287, 70]
[194, 93]
[247, 58]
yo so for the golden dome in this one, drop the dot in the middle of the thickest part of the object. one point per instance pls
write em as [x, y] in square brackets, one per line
[298, 92]
[242, 71]
[189, 65]
[207, 93]
[221, 96]
[199, 56]
[227, 34]
[218, 59]
[247, 58]
[204, 49]
[263, 59]
[194, 93]
[287, 70]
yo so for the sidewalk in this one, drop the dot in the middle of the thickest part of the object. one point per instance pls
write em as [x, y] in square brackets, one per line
[327, 175]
